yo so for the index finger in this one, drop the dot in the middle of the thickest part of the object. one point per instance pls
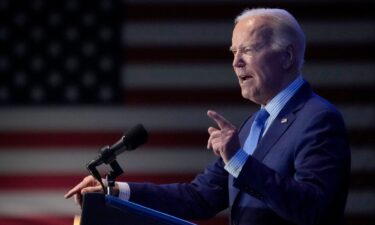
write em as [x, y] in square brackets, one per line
[219, 119]
[74, 190]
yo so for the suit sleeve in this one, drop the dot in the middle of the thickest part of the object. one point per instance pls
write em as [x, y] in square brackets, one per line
[203, 198]
[321, 168]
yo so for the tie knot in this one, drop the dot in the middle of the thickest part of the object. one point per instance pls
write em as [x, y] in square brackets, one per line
[262, 116]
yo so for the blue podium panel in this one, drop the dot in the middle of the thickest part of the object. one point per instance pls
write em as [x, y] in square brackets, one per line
[99, 209]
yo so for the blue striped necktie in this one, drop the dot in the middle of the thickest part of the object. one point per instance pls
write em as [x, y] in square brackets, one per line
[256, 131]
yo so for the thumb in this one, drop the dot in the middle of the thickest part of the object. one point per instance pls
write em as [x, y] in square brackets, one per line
[91, 189]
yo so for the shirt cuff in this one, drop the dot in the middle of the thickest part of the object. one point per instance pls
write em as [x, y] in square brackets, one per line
[124, 190]
[235, 164]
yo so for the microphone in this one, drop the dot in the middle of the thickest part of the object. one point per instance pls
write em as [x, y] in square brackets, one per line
[135, 137]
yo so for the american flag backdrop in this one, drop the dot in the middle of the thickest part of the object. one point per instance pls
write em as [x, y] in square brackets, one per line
[76, 74]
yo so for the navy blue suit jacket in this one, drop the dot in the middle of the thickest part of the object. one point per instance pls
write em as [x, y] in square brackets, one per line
[298, 174]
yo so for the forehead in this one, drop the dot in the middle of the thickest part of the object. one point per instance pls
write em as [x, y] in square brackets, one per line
[251, 30]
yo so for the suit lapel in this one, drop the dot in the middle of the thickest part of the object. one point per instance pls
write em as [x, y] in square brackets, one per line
[276, 130]
[282, 122]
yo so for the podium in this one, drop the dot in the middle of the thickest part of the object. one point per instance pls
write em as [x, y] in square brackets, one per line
[99, 209]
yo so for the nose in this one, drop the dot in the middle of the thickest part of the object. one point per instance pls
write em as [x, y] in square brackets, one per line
[238, 60]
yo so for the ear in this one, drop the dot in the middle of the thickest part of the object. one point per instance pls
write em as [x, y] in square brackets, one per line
[288, 57]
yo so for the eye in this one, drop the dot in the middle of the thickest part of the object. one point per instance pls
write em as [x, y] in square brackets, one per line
[248, 50]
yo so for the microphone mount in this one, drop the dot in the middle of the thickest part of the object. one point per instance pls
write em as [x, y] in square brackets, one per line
[116, 170]
[107, 155]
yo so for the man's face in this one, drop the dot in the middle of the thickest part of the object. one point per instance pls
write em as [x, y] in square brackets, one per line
[257, 66]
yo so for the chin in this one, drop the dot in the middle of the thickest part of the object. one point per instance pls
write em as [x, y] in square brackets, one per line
[251, 97]
[247, 95]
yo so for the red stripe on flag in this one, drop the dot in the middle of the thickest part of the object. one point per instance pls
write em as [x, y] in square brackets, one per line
[37, 220]
[44, 139]
[57, 138]
[185, 96]
[46, 182]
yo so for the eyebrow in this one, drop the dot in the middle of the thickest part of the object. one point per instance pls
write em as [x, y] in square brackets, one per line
[231, 48]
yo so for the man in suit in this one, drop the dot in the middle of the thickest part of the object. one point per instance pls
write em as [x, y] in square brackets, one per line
[289, 163]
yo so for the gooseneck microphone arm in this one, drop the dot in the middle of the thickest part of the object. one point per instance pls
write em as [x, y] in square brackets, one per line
[95, 173]
[134, 138]
[112, 175]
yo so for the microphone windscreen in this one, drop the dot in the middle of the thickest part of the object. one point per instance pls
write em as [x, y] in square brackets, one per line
[135, 137]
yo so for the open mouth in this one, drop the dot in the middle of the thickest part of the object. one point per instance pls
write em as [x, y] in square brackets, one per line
[243, 78]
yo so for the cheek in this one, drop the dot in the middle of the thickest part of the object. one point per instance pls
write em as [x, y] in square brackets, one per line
[260, 67]
[274, 61]
[270, 65]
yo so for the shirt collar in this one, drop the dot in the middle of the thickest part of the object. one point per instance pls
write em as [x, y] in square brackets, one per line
[278, 102]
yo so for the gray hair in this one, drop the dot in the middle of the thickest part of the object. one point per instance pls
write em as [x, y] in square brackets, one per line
[286, 30]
